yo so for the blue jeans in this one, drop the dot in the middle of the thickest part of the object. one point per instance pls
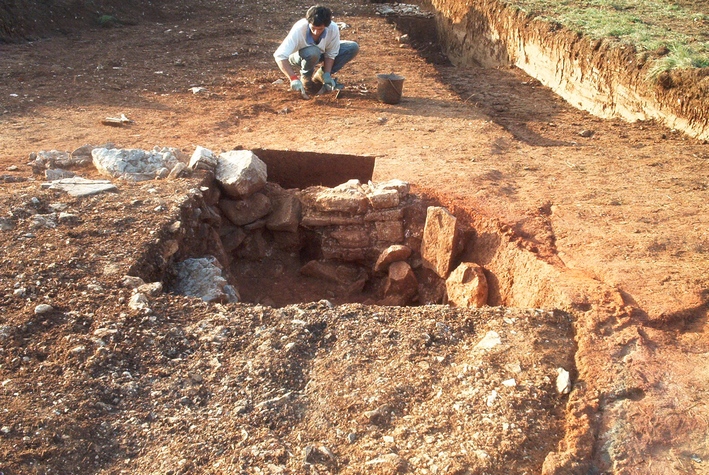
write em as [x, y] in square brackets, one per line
[307, 58]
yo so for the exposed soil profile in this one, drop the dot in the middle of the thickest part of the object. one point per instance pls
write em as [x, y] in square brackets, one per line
[592, 232]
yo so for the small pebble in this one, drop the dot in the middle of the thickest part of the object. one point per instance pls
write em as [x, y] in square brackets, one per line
[43, 308]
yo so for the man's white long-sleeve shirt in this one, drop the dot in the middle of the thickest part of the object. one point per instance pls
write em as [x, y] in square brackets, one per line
[300, 36]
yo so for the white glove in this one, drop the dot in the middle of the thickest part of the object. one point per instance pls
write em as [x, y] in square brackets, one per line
[297, 85]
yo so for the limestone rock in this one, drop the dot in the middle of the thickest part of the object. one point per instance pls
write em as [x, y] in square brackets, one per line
[132, 282]
[396, 214]
[332, 250]
[563, 381]
[50, 159]
[211, 215]
[400, 186]
[78, 186]
[152, 289]
[177, 170]
[467, 286]
[43, 308]
[82, 155]
[383, 198]
[313, 218]
[241, 173]
[203, 159]
[248, 210]
[7, 224]
[440, 235]
[202, 278]
[134, 164]
[394, 253]
[489, 341]
[54, 174]
[389, 464]
[139, 302]
[46, 221]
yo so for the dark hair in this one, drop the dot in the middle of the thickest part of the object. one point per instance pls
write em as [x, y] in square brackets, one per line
[319, 16]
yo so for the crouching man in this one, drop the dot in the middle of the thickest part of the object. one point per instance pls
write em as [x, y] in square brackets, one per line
[313, 40]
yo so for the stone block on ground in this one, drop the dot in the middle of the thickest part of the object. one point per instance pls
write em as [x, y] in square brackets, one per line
[240, 173]
[202, 278]
[314, 219]
[396, 214]
[54, 174]
[203, 159]
[78, 186]
[394, 253]
[135, 164]
[467, 286]
[332, 250]
[247, 210]
[440, 236]
[401, 281]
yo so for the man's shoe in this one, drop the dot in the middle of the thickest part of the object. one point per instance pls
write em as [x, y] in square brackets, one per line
[317, 77]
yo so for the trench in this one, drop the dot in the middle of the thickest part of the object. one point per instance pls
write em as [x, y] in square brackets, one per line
[603, 77]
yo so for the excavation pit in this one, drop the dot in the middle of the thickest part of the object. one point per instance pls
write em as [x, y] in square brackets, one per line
[317, 228]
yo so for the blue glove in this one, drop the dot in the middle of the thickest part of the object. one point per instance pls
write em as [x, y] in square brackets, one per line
[327, 80]
[297, 85]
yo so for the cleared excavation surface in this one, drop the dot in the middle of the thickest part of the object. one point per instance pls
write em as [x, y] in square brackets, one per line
[612, 216]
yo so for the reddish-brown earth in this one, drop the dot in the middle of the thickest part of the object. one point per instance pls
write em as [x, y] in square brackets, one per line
[93, 387]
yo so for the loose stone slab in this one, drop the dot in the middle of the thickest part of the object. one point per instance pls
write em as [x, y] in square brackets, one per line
[78, 186]
[203, 159]
[241, 173]
[202, 278]
[241, 212]
[467, 286]
[439, 237]
[397, 252]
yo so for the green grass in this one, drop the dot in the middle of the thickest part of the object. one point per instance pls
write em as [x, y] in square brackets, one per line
[647, 25]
